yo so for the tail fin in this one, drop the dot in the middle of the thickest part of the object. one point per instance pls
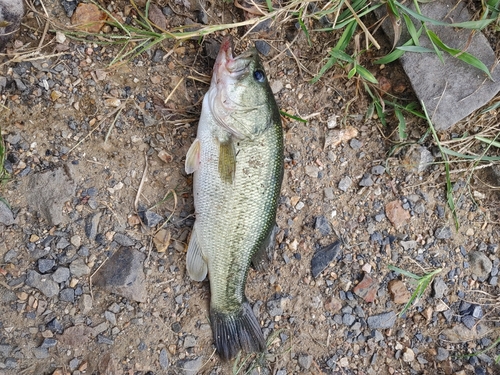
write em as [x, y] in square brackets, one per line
[236, 331]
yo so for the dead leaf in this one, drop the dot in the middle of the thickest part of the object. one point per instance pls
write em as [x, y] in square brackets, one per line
[88, 17]
[162, 240]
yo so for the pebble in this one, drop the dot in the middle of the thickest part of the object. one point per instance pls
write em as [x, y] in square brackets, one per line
[6, 215]
[48, 343]
[439, 287]
[348, 319]
[55, 326]
[366, 288]
[321, 223]
[468, 321]
[442, 354]
[355, 144]
[398, 291]
[62, 243]
[382, 321]
[189, 341]
[45, 265]
[323, 257]
[409, 245]
[366, 180]
[480, 264]
[86, 303]
[312, 171]
[443, 233]
[396, 214]
[328, 192]
[91, 225]
[163, 359]
[123, 274]
[305, 361]
[275, 307]
[42, 282]
[378, 170]
[110, 317]
[123, 240]
[78, 268]
[67, 295]
[345, 183]
[61, 275]
[190, 366]
[40, 353]
[408, 355]
[150, 218]
[76, 241]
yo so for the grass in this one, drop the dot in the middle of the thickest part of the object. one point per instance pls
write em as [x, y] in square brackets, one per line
[422, 284]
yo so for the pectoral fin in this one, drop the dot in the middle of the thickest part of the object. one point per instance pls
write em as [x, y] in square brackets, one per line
[227, 161]
[263, 256]
[196, 266]
[193, 157]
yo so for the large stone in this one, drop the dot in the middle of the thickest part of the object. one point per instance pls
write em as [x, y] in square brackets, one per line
[43, 283]
[123, 274]
[11, 13]
[47, 193]
[452, 90]
[6, 215]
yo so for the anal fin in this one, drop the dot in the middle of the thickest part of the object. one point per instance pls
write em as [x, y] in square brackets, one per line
[195, 263]
[263, 256]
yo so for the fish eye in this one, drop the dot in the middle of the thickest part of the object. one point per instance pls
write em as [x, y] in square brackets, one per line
[259, 76]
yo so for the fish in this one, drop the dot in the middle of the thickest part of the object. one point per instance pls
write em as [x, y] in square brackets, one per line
[237, 165]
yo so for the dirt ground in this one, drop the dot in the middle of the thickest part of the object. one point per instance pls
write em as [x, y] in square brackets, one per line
[110, 128]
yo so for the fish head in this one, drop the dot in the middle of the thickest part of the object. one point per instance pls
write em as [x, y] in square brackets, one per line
[240, 98]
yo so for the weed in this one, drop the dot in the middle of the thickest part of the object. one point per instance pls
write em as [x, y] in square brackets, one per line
[422, 284]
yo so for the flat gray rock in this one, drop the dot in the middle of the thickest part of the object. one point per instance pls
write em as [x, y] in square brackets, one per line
[123, 274]
[453, 90]
[6, 215]
[47, 192]
[322, 258]
[43, 283]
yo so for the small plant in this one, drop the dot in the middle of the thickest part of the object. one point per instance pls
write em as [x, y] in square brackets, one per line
[421, 281]
[493, 345]
[3, 172]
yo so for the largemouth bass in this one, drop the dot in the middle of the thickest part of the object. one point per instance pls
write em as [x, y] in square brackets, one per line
[237, 160]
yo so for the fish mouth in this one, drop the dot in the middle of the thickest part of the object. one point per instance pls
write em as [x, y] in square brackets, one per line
[229, 66]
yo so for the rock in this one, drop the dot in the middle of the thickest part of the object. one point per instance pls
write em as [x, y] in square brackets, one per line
[443, 233]
[480, 264]
[47, 192]
[91, 225]
[439, 288]
[157, 17]
[275, 307]
[336, 137]
[378, 170]
[305, 361]
[366, 180]
[45, 265]
[367, 288]
[381, 321]
[328, 193]
[322, 224]
[55, 326]
[311, 171]
[396, 214]
[442, 354]
[48, 342]
[452, 90]
[150, 218]
[348, 319]
[86, 303]
[43, 283]
[398, 291]
[189, 341]
[78, 268]
[345, 183]
[69, 7]
[190, 366]
[408, 355]
[61, 275]
[6, 215]
[123, 274]
[409, 245]
[67, 295]
[355, 144]
[163, 359]
[11, 13]
[417, 159]
[322, 258]
[263, 47]
[332, 304]
[40, 353]
[123, 240]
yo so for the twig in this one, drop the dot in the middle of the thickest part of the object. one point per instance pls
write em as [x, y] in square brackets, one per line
[141, 185]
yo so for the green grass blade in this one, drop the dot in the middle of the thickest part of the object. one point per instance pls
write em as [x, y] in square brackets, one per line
[366, 74]
[296, 118]
[490, 142]
[341, 55]
[403, 272]
[303, 27]
[403, 134]
[417, 49]
[447, 151]
[351, 73]
[411, 29]
[465, 25]
[463, 56]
